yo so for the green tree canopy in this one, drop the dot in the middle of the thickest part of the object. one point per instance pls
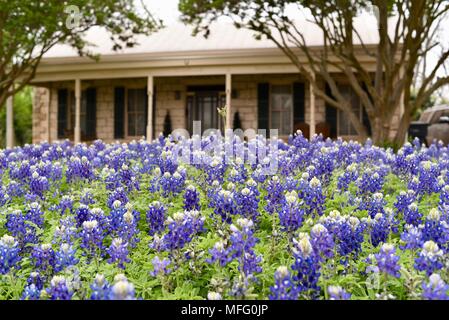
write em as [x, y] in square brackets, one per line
[28, 29]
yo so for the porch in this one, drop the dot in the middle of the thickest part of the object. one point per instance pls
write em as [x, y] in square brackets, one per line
[125, 109]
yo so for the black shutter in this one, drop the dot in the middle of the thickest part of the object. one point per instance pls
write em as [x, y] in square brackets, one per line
[62, 113]
[298, 103]
[263, 106]
[154, 112]
[119, 113]
[331, 115]
[91, 114]
[146, 110]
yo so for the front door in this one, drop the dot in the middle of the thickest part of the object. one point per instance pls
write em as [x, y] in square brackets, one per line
[202, 106]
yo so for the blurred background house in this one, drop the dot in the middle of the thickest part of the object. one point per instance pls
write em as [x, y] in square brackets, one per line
[129, 94]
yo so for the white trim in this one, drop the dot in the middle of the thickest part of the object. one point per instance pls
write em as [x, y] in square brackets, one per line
[228, 90]
[150, 88]
[77, 138]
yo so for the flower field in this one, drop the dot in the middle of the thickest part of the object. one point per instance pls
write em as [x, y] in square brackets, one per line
[337, 220]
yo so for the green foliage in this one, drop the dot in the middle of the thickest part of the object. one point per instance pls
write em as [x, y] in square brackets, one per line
[23, 109]
[52, 22]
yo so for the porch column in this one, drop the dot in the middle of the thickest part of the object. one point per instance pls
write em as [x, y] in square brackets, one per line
[150, 84]
[228, 101]
[77, 137]
[312, 108]
[10, 122]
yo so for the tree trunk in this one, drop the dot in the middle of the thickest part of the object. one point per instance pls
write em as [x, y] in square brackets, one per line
[403, 128]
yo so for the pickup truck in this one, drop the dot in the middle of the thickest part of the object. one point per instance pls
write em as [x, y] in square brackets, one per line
[433, 124]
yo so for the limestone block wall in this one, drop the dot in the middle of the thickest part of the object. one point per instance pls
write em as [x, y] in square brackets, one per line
[41, 103]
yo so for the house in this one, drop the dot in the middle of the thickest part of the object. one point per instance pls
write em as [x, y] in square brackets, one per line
[171, 74]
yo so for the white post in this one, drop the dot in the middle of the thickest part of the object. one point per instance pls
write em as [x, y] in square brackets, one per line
[150, 109]
[228, 101]
[77, 111]
[10, 122]
[312, 109]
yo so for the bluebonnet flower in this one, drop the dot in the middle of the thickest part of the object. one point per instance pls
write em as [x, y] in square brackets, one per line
[44, 257]
[374, 204]
[65, 257]
[215, 170]
[436, 229]
[87, 197]
[322, 241]
[219, 253]
[314, 198]
[118, 194]
[36, 279]
[443, 204]
[38, 184]
[9, 254]
[350, 236]
[412, 237]
[248, 203]
[115, 217]
[275, 195]
[160, 266]
[100, 288]
[430, 258]
[191, 199]
[224, 205]
[155, 180]
[66, 204]
[211, 295]
[387, 260]
[35, 214]
[283, 287]
[81, 215]
[412, 215]
[128, 231]
[181, 228]
[348, 176]
[370, 182]
[428, 178]
[66, 231]
[122, 289]
[242, 246]
[338, 293]
[291, 214]
[91, 238]
[118, 252]
[306, 266]
[404, 200]
[128, 178]
[172, 184]
[435, 289]
[4, 196]
[380, 229]
[156, 217]
[31, 292]
[59, 289]
[79, 169]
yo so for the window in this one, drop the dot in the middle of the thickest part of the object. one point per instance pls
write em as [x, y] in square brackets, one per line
[281, 109]
[344, 125]
[137, 106]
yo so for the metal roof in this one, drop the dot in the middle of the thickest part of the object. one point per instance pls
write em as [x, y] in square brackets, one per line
[224, 36]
